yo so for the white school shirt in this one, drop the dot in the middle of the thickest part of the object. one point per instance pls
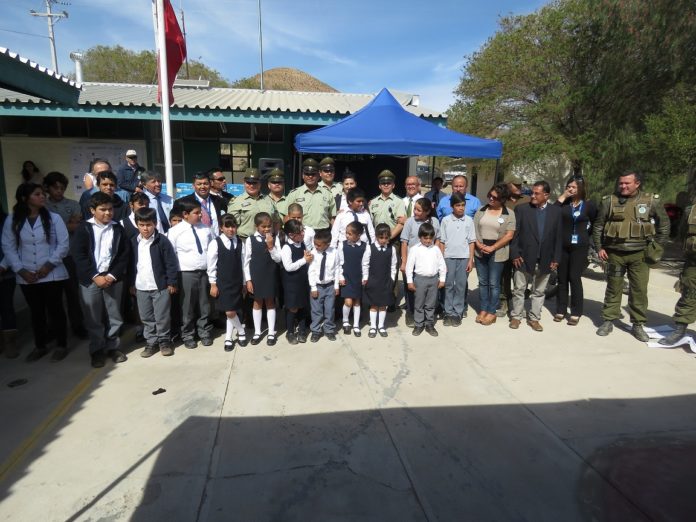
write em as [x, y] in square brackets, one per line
[368, 255]
[230, 244]
[181, 238]
[103, 246]
[338, 231]
[331, 270]
[275, 252]
[286, 257]
[425, 261]
[33, 251]
[145, 275]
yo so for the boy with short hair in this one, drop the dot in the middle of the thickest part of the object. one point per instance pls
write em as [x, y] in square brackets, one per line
[355, 211]
[323, 274]
[190, 240]
[101, 252]
[155, 271]
[425, 273]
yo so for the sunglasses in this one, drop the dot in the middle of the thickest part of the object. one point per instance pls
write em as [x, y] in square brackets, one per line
[247, 182]
[493, 198]
[386, 182]
[310, 173]
[219, 179]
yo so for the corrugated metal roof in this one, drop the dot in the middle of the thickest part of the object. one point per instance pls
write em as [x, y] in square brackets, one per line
[33, 65]
[215, 98]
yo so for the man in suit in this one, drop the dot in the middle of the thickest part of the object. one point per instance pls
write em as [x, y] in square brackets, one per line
[535, 251]
[212, 206]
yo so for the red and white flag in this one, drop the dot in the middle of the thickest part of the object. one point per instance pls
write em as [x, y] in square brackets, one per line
[175, 49]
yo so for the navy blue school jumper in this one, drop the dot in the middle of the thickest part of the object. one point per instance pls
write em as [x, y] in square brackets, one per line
[262, 269]
[379, 290]
[352, 270]
[229, 277]
[296, 284]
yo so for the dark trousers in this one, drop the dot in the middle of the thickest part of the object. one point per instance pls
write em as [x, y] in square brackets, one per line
[195, 305]
[72, 295]
[42, 298]
[505, 295]
[8, 319]
[573, 262]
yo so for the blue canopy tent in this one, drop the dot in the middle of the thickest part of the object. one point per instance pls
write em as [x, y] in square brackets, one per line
[383, 126]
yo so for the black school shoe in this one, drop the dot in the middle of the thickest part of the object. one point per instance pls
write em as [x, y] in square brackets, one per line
[331, 336]
[190, 344]
[292, 339]
[149, 351]
[431, 330]
[302, 337]
[98, 359]
[207, 341]
[417, 330]
[242, 341]
[315, 337]
[271, 339]
[117, 356]
[229, 345]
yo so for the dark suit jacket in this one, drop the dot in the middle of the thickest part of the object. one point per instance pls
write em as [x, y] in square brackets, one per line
[526, 242]
[82, 250]
[218, 203]
[165, 264]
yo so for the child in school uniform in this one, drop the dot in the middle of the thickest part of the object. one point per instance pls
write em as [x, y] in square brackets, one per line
[175, 217]
[190, 240]
[457, 241]
[423, 212]
[323, 278]
[296, 212]
[355, 211]
[102, 255]
[379, 272]
[155, 270]
[226, 277]
[261, 258]
[137, 200]
[296, 259]
[425, 273]
[351, 253]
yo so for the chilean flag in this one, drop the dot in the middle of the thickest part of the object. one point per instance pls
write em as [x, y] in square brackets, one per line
[175, 48]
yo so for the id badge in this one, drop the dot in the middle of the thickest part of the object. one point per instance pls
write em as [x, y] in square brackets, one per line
[574, 239]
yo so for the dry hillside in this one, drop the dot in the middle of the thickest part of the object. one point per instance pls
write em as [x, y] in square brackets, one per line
[285, 79]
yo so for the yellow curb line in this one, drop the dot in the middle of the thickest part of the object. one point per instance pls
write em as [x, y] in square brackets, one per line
[28, 444]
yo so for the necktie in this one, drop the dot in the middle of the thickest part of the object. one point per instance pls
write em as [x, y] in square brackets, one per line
[198, 241]
[410, 207]
[322, 268]
[355, 216]
[205, 218]
[162, 215]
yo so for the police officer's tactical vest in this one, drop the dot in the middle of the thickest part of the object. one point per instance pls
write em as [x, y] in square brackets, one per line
[630, 221]
[690, 242]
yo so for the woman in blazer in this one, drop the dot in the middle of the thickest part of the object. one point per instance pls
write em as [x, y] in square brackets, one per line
[35, 241]
[494, 225]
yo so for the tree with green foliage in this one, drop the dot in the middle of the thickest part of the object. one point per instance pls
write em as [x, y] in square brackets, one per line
[577, 78]
[120, 65]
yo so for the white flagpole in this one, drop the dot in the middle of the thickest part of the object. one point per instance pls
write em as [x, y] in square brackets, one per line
[164, 85]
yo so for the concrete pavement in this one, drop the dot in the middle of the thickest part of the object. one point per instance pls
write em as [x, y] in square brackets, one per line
[480, 423]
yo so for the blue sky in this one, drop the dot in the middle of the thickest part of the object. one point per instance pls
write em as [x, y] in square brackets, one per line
[353, 45]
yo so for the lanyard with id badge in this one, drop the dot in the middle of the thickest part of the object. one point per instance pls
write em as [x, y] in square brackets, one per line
[577, 211]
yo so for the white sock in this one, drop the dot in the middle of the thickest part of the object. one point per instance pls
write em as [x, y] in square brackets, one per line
[229, 329]
[346, 314]
[258, 316]
[271, 318]
[356, 316]
[373, 319]
[237, 326]
[382, 316]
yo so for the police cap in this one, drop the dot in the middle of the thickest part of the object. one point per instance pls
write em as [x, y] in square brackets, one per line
[276, 175]
[252, 175]
[310, 165]
[327, 164]
[386, 175]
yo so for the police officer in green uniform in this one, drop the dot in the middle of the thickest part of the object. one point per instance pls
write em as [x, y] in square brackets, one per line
[627, 223]
[276, 193]
[387, 207]
[327, 171]
[318, 205]
[245, 207]
[685, 311]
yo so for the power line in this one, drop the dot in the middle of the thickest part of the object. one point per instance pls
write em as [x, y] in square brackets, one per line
[20, 32]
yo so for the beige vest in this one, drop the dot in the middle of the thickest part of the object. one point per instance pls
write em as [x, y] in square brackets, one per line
[630, 221]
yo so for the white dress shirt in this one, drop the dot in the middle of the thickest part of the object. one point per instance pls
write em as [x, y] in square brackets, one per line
[286, 257]
[331, 269]
[184, 243]
[368, 255]
[338, 231]
[103, 246]
[230, 244]
[425, 261]
[167, 203]
[145, 276]
[33, 251]
[412, 201]
[275, 252]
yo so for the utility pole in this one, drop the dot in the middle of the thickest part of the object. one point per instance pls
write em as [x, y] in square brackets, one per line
[260, 44]
[51, 38]
[183, 30]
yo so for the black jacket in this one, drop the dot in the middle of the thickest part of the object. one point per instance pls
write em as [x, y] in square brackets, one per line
[526, 242]
[82, 251]
[218, 203]
[165, 264]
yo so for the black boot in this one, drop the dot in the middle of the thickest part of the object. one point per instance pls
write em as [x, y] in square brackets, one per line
[675, 336]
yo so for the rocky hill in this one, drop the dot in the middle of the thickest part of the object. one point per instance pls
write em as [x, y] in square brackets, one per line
[284, 79]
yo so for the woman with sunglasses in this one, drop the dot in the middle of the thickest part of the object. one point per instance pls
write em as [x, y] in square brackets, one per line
[577, 214]
[494, 225]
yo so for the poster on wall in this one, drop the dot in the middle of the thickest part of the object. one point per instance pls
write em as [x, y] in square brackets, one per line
[82, 154]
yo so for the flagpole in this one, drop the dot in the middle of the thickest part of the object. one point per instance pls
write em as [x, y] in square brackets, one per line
[164, 83]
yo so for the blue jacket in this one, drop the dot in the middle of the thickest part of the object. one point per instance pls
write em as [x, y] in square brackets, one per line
[129, 177]
[165, 264]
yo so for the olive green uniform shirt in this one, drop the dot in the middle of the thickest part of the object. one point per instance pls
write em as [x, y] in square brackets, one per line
[281, 206]
[336, 189]
[318, 207]
[244, 209]
[387, 210]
